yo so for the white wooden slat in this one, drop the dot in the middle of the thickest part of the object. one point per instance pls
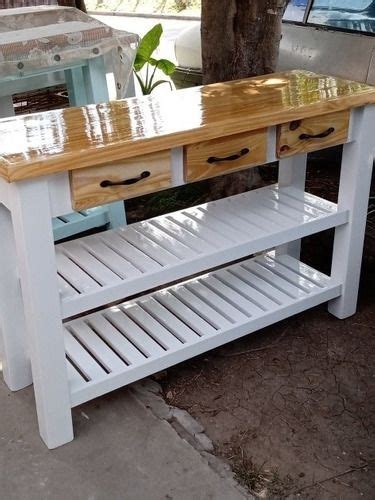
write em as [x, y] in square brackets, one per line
[116, 340]
[278, 281]
[66, 291]
[260, 301]
[320, 203]
[272, 216]
[302, 269]
[186, 314]
[202, 215]
[253, 214]
[110, 258]
[73, 274]
[169, 320]
[96, 345]
[139, 260]
[201, 307]
[221, 305]
[86, 363]
[218, 212]
[101, 273]
[236, 219]
[202, 230]
[263, 287]
[296, 279]
[153, 327]
[231, 295]
[133, 332]
[75, 379]
[298, 205]
[172, 245]
[181, 234]
[267, 281]
[283, 210]
[148, 246]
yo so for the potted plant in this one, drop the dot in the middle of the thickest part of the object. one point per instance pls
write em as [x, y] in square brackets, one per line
[144, 60]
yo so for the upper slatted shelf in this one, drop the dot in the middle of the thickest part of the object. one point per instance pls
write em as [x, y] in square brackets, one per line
[99, 269]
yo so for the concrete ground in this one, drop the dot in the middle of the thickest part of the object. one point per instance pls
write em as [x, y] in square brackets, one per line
[121, 451]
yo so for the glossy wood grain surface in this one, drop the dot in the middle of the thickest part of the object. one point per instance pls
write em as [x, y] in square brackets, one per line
[55, 141]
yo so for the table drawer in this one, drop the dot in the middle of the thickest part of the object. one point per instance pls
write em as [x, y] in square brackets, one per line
[140, 175]
[312, 134]
[225, 154]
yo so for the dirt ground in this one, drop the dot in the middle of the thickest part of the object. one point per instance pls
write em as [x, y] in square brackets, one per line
[291, 407]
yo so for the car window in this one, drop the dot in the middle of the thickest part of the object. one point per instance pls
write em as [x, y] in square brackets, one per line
[295, 10]
[355, 15]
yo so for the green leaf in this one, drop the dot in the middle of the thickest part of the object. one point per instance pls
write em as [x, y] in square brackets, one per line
[144, 89]
[159, 82]
[167, 67]
[147, 46]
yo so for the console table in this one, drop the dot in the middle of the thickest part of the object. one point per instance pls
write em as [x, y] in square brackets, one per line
[75, 319]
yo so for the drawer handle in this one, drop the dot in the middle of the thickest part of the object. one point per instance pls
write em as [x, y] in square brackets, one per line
[326, 133]
[243, 152]
[126, 182]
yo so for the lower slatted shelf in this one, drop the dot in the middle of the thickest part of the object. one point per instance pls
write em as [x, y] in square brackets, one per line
[108, 349]
[107, 267]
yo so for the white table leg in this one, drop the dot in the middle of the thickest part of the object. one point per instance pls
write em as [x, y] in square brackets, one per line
[14, 356]
[355, 180]
[32, 224]
[292, 172]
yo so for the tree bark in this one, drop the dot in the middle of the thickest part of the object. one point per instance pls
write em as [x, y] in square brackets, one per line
[240, 38]
[78, 4]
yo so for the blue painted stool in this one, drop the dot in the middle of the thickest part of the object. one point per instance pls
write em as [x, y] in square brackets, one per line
[86, 83]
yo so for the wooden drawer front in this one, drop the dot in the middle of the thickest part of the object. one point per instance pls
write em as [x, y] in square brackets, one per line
[225, 154]
[143, 174]
[312, 134]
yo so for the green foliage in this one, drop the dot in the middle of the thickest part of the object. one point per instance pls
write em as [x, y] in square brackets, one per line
[147, 46]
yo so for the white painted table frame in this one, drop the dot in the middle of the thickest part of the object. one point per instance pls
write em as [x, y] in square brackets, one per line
[32, 321]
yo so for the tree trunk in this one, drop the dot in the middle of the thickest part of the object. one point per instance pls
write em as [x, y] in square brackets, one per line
[78, 4]
[241, 38]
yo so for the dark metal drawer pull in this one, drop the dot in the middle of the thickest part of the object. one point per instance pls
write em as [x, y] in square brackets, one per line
[318, 136]
[243, 152]
[126, 182]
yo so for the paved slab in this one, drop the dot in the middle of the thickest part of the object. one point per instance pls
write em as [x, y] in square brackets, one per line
[121, 451]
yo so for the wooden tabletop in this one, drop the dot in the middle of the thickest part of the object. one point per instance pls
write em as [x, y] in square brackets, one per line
[55, 141]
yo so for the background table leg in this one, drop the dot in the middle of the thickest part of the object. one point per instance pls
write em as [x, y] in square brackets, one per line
[355, 181]
[94, 74]
[32, 224]
[6, 106]
[75, 84]
[14, 356]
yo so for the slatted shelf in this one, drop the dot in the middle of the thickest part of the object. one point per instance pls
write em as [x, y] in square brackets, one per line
[119, 345]
[107, 267]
